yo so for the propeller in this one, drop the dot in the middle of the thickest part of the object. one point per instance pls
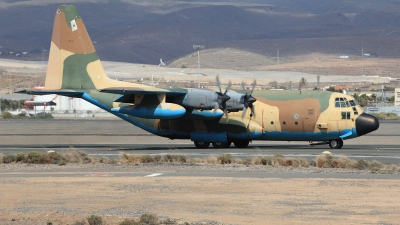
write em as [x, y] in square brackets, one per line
[222, 97]
[248, 100]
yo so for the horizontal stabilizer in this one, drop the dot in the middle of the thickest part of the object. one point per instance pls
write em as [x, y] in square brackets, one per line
[68, 93]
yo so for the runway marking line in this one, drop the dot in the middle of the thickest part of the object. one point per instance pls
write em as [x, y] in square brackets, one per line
[100, 175]
[154, 175]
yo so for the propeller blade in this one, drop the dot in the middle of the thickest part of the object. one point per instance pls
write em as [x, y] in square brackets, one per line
[228, 87]
[244, 111]
[218, 83]
[253, 112]
[253, 85]
[242, 84]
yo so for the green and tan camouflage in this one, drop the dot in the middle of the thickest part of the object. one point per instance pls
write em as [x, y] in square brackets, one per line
[203, 116]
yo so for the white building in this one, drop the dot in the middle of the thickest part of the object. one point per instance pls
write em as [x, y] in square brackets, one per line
[397, 97]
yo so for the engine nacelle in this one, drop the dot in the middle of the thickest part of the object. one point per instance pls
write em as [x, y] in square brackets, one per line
[200, 99]
[161, 111]
[236, 102]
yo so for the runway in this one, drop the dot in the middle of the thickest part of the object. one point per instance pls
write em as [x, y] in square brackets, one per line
[111, 137]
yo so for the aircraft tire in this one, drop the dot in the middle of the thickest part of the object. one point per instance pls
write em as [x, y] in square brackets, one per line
[201, 144]
[337, 143]
[221, 144]
[241, 144]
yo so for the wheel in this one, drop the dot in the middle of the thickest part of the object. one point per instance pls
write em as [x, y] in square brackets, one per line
[221, 144]
[201, 144]
[337, 143]
[241, 144]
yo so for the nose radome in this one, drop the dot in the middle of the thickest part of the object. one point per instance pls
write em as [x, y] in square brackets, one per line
[366, 123]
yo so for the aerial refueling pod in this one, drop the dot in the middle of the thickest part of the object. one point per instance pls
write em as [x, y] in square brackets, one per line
[161, 111]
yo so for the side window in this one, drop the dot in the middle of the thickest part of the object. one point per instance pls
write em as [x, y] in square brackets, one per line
[348, 115]
[355, 111]
[343, 115]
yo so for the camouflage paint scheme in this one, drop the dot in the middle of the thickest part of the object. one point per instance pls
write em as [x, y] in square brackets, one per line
[75, 70]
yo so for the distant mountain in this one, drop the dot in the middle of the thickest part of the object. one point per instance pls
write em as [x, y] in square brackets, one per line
[144, 33]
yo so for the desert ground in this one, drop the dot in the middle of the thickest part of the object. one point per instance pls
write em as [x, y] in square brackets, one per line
[73, 194]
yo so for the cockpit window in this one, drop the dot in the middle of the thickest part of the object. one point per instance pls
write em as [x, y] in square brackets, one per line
[352, 103]
[341, 103]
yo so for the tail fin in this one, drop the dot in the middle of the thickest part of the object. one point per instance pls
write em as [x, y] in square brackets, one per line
[73, 61]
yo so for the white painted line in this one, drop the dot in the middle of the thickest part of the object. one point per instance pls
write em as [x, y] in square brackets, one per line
[154, 175]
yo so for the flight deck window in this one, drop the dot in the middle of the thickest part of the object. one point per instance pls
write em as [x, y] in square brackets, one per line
[341, 103]
[345, 115]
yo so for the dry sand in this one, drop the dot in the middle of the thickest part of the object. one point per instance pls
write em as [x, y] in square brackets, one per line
[194, 199]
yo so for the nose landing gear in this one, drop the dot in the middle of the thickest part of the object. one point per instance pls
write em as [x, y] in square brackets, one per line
[337, 143]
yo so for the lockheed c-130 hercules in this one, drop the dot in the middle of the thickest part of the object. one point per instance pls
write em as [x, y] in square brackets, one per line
[203, 116]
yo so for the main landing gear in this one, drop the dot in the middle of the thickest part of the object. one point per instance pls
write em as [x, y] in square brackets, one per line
[238, 144]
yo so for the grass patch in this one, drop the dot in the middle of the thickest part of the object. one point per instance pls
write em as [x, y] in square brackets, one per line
[386, 116]
[321, 161]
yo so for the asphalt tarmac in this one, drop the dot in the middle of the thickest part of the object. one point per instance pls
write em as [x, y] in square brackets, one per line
[109, 138]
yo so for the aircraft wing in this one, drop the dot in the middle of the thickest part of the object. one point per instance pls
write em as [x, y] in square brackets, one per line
[133, 90]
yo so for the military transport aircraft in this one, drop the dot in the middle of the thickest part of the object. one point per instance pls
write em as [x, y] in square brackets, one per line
[203, 116]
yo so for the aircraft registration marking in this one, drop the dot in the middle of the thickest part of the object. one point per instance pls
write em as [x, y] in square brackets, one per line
[100, 175]
[154, 175]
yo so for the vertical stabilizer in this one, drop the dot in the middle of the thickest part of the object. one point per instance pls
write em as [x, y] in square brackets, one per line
[73, 61]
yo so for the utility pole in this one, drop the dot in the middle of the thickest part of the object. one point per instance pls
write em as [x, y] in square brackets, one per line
[198, 47]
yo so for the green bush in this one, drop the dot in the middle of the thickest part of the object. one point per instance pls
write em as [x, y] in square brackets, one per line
[8, 115]
[95, 220]
[36, 157]
[20, 157]
[9, 158]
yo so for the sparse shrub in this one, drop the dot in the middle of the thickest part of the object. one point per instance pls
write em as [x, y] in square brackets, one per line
[198, 160]
[375, 165]
[1, 159]
[149, 219]
[292, 162]
[53, 157]
[304, 162]
[79, 223]
[169, 222]
[238, 161]
[147, 159]
[86, 159]
[104, 160]
[113, 161]
[183, 159]
[74, 156]
[62, 163]
[130, 222]
[212, 159]
[345, 163]
[278, 160]
[168, 158]
[49, 222]
[9, 158]
[266, 160]
[95, 220]
[225, 159]
[157, 158]
[362, 164]
[20, 157]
